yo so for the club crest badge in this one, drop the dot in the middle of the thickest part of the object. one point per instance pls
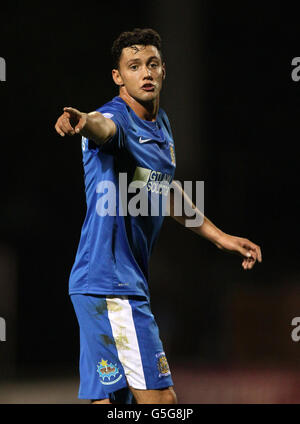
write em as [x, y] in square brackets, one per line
[162, 364]
[109, 373]
[172, 153]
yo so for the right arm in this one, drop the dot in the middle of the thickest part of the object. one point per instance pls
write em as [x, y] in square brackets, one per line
[91, 125]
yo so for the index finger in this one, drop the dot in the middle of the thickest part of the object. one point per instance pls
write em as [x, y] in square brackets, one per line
[72, 110]
[257, 250]
[259, 255]
[254, 247]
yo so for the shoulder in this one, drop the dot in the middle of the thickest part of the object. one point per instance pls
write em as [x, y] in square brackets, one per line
[116, 110]
[164, 117]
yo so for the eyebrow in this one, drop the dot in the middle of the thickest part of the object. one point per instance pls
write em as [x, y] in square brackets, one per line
[139, 60]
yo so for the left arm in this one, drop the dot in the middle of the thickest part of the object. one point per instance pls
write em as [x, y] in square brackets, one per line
[232, 244]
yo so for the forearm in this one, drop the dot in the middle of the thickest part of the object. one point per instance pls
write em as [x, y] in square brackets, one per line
[98, 128]
[232, 244]
[206, 229]
[209, 231]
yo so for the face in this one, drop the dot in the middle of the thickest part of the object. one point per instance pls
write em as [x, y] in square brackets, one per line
[141, 72]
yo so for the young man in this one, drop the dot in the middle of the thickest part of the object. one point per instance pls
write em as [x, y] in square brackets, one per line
[130, 137]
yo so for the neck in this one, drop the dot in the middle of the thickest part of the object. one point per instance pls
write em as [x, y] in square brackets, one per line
[144, 110]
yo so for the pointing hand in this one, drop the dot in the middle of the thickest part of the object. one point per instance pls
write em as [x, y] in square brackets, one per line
[71, 122]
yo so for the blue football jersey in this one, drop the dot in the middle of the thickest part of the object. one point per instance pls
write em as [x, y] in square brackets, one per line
[126, 182]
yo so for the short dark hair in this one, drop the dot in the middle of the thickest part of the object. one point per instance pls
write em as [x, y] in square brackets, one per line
[145, 37]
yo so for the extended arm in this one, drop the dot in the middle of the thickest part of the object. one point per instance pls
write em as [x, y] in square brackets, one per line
[232, 244]
[91, 125]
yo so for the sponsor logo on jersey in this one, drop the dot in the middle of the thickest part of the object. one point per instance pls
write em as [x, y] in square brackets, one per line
[162, 364]
[108, 372]
[107, 115]
[156, 181]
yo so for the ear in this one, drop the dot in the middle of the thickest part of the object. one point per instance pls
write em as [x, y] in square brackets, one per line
[117, 77]
[164, 70]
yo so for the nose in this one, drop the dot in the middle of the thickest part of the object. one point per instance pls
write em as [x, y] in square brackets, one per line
[147, 73]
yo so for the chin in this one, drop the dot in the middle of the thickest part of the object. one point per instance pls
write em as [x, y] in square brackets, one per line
[145, 97]
[148, 97]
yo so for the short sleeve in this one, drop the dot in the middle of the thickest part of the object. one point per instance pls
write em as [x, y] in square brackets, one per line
[118, 142]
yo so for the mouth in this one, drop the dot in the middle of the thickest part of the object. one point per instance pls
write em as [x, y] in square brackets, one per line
[148, 87]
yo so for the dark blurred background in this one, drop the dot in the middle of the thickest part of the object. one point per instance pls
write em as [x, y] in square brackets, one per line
[234, 111]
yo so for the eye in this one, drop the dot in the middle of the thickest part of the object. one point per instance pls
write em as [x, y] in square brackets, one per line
[153, 65]
[133, 67]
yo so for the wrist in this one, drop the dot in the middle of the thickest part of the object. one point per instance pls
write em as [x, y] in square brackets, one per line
[88, 128]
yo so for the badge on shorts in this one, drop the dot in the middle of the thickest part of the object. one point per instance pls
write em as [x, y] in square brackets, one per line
[162, 363]
[109, 373]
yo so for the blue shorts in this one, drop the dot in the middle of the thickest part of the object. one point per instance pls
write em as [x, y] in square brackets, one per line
[119, 346]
